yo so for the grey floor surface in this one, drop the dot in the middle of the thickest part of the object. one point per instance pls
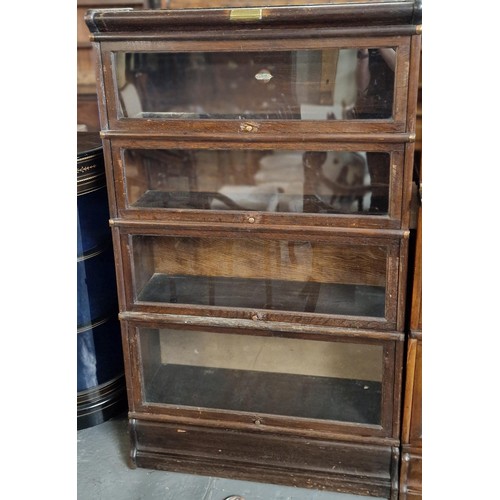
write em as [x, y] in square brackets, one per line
[104, 474]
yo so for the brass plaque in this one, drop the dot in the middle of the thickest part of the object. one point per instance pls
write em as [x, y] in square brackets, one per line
[245, 14]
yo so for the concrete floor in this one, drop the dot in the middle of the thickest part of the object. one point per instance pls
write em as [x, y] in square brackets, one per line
[104, 474]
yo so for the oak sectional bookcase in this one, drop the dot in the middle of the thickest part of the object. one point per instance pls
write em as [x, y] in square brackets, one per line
[259, 168]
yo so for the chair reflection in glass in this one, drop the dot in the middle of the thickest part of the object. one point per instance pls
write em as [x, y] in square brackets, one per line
[375, 95]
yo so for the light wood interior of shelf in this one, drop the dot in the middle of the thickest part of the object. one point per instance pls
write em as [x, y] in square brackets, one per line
[274, 260]
[272, 354]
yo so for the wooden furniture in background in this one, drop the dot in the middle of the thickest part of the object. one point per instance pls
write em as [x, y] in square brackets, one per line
[87, 109]
[262, 291]
[411, 456]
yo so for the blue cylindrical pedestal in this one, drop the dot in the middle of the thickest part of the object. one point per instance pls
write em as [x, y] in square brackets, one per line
[101, 382]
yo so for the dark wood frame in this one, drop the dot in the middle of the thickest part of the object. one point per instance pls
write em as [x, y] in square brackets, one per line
[390, 221]
[269, 130]
[187, 440]
[391, 343]
[395, 242]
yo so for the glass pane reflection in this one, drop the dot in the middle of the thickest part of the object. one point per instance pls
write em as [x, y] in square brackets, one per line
[328, 84]
[270, 181]
[263, 374]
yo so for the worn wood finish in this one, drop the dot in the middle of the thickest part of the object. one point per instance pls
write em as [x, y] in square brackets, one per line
[275, 458]
[219, 420]
[197, 4]
[346, 137]
[341, 234]
[361, 455]
[159, 320]
[337, 15]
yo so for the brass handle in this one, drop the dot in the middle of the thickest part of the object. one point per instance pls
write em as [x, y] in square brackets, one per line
[249, 127]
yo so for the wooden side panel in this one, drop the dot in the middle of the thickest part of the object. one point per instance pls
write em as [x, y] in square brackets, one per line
[415, 434]
[411, 476]
[416, 300]
[411, 461]
[412, 417]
